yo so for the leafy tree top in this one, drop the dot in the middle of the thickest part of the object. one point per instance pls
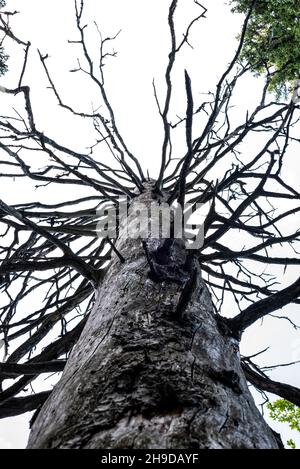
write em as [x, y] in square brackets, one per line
[272, 40]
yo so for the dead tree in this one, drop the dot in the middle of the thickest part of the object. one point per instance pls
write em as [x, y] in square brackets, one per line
[149, 352]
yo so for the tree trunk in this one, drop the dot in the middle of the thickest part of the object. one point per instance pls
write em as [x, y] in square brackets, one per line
[153, 368]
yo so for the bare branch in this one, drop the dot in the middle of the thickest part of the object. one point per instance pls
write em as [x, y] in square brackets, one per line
[263, 307]
[264, 383]
[19, 405]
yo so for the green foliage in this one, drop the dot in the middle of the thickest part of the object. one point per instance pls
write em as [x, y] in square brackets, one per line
[284, 411]
[291, 444]
[3, 56]
[272, 40]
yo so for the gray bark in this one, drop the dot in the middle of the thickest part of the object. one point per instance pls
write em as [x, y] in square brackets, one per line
[147, 373]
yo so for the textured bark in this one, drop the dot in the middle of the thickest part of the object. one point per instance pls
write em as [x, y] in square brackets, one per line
[153, 368]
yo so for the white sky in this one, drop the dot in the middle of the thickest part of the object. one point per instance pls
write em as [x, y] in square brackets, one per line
[142, 48]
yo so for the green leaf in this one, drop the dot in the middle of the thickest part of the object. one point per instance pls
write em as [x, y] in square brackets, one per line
[284, 411]
[291, 444]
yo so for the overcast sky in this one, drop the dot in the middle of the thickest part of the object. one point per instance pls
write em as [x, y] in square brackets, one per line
[142, 46]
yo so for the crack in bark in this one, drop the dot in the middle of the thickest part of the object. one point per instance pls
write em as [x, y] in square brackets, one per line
[225, 421]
